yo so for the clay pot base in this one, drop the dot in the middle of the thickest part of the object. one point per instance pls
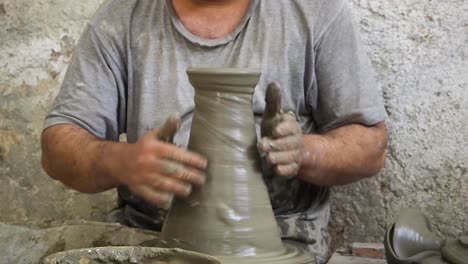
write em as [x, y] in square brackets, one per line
[129, 255]
[291, 255]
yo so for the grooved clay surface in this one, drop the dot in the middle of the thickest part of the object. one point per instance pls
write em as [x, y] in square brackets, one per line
[420, 52]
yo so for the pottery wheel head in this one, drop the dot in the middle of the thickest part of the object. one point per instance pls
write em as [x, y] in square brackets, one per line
[130, 255]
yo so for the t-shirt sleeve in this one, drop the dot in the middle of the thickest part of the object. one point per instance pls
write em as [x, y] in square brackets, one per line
[92, 91]
[347, 89]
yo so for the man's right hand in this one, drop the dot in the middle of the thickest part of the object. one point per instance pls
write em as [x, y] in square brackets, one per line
[156, 170]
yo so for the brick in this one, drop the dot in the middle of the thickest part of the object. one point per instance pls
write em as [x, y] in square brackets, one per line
[368, 250]
[340, 259]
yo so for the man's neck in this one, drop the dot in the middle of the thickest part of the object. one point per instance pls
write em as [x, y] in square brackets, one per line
[211, 18]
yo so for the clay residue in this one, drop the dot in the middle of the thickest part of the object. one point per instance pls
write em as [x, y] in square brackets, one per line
[130, 255]
[7, 140]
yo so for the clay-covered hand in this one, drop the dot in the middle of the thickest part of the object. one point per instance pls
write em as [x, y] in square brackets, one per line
[156, 170]
[281, 144]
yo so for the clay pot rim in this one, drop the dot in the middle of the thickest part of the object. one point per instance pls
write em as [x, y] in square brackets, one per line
[223, 71]
[224, 80]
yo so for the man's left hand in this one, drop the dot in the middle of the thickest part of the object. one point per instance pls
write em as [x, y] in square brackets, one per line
[282, 143]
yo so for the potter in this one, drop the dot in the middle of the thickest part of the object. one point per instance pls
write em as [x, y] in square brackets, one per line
[127, 76]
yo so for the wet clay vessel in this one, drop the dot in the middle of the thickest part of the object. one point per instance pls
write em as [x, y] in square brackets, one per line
[230, 217]
[410, 240]
[423, 257]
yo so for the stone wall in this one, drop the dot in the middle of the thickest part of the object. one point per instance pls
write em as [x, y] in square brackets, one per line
[419, 49]
[36, 41]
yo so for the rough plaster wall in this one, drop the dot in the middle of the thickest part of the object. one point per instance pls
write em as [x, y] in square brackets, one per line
[36, 41]
[420, 51]
[418, 48]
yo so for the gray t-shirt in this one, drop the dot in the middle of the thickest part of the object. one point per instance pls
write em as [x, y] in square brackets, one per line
[128, 75]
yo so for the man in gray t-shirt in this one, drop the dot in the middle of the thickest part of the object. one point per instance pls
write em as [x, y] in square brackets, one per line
[128, 75]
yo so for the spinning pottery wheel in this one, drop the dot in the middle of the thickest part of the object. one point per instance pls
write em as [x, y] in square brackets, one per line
[230, 217]
[129, 255]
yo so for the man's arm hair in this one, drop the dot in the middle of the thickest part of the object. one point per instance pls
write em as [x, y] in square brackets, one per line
[344, 155]
[81, 161]
[151, 168]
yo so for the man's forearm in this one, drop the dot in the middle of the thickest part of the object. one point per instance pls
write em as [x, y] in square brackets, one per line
[78, 159]
[151, 168]
[344, 155]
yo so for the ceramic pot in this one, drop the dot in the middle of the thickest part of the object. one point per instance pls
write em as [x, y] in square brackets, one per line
[230, 217]
[232, 213]
[411, 241]
[413, 234]
[424, 257]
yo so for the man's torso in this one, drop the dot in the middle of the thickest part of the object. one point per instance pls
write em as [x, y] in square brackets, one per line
[149, 50]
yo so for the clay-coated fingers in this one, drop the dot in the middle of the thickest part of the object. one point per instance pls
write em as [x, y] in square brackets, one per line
[165, 184]
[284, 157]
[158, 198]
[183, 156]
[272, 100]
[283, 144]
[180, 172]
[169, 129]
[287, 127]
[287, 170]
[289, 116]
